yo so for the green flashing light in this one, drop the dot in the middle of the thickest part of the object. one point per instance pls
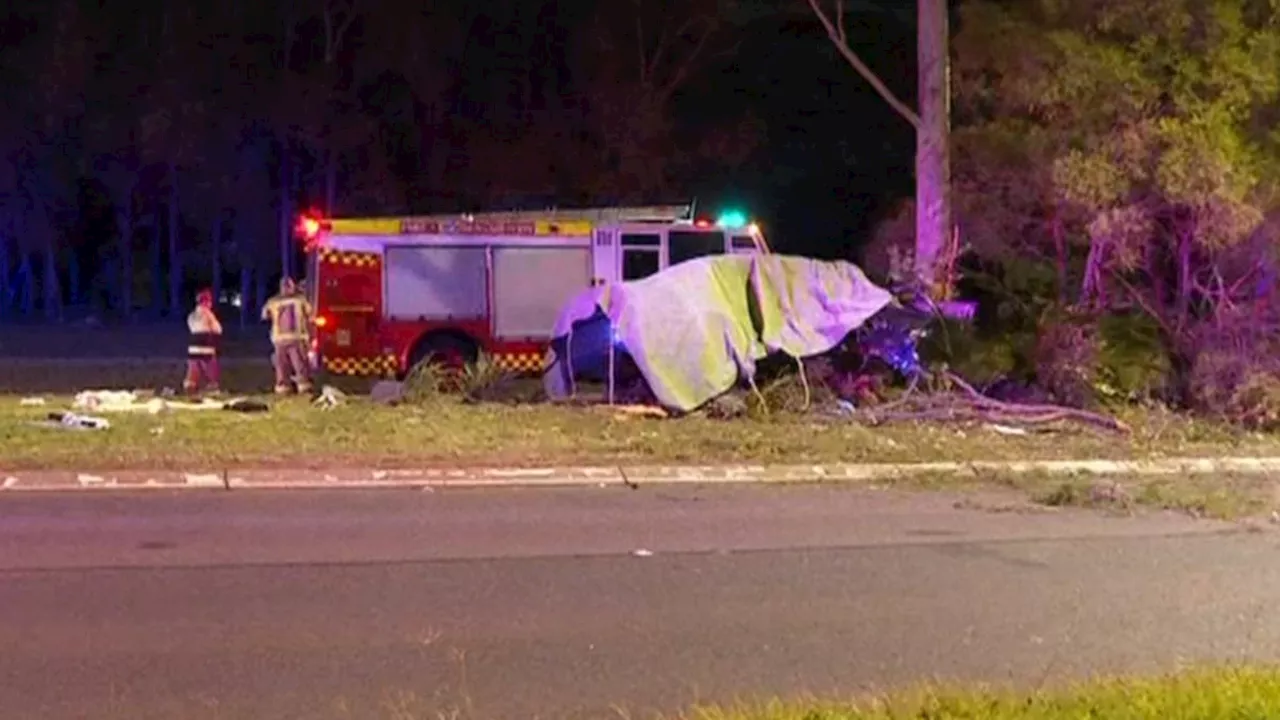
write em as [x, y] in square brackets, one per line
[732, 219]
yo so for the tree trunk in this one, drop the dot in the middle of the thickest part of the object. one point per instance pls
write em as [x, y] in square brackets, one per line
[52, 288]
[1182, 303]
[330, 182]
[1091, 284]
[933, 159]
[175, 257]
[1062, 257]
[260, 292]
[285, 208]
[158, 294]
[215, 239]
[4, 271]
[246, 294]
[128, 273]
[28, 280]
[73, 278]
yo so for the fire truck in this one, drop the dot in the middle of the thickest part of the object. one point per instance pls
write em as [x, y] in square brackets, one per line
[390, 293]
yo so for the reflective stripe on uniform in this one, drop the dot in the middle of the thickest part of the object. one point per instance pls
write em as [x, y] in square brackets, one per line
[289, 317]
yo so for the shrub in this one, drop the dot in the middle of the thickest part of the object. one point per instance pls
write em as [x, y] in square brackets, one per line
[1067, 355]
[1236, 372]
[1133, 361]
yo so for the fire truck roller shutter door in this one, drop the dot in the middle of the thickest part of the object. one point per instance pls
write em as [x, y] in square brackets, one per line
[531, 286]
[436, 282]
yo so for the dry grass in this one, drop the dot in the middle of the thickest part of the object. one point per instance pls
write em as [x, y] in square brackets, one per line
[445, 431]
[1252, 693]
[440, 430]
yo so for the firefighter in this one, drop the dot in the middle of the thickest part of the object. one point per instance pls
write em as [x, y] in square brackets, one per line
[202, 348]
[290, 316]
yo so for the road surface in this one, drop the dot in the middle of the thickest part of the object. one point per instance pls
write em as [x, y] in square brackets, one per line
[570, 604]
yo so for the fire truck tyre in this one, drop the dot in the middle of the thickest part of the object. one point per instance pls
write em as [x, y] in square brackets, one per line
[447, 350]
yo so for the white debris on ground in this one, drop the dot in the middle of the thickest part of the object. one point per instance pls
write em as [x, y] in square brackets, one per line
[115, 401]
[74, 421]
[31, 401]
[1007, 430]
[330, 397]
[131, 401]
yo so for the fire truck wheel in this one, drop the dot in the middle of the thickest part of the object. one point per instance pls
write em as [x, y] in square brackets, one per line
[444, 349]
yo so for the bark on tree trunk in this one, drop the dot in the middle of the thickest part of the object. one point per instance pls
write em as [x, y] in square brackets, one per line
[175, 257]
[28, 275]
[157, 267]
[1182, 303]
[330, 182]
[1062, 257]
[286, 211]
[933, 161]
[52, 288]
[215, 237]
[246, 293]
[4, 271]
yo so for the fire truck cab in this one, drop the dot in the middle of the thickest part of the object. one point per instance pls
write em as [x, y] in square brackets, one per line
[392, 292]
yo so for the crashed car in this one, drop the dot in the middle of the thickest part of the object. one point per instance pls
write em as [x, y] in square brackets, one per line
[697, 329]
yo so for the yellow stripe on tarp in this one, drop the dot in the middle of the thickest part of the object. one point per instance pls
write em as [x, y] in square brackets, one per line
[365, 226]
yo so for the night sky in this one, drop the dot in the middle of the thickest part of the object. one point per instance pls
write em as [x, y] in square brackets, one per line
[432, 107]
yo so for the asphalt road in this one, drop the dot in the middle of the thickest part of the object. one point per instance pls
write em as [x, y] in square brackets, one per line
[520, 604]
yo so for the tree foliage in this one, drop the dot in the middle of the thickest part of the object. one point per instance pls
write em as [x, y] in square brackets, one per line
[1132, 144]
[201, 129]
[1126, 130]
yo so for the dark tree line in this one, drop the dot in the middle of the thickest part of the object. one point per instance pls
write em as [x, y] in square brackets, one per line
[151, 148]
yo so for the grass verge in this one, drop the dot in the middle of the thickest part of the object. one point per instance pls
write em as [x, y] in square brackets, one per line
[1252, 693]
[439, 430]
[444, 430]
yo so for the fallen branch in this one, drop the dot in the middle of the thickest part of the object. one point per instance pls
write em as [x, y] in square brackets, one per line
[970, 405]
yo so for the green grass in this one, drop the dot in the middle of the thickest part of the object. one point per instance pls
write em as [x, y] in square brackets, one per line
[440, 430]
[1221, 694]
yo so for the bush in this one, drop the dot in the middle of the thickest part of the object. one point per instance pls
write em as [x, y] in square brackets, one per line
[1236, 373]
[1067, 355]
[482, 380]
[982, 360]
[1133, 362]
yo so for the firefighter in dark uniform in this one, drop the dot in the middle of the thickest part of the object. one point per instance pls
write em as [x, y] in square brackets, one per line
[202, 348]
[290, 316]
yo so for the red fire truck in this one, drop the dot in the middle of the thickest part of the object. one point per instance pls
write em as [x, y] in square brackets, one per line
[392, 292]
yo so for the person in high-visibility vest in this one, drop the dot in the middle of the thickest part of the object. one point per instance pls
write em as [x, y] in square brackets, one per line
[202, 347]
[290, 315]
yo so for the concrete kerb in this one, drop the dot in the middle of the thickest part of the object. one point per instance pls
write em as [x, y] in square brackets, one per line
[607, 476]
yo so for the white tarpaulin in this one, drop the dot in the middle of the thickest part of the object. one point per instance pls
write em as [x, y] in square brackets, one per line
[695, 329]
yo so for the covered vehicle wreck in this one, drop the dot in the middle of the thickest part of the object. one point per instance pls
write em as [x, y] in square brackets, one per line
[697, 329]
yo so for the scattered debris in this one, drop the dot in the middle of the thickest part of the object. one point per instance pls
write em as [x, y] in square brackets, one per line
[623, 412]
[72, 421]
[330, 397]
[642, 553]
[726, 407]
[1006, 430]
[1111, 493]
[387, 392]
[31, 401]
[246, 405]
[107, 400]
[966, 404]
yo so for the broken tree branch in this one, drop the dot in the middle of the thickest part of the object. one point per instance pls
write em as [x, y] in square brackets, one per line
[837, 36]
